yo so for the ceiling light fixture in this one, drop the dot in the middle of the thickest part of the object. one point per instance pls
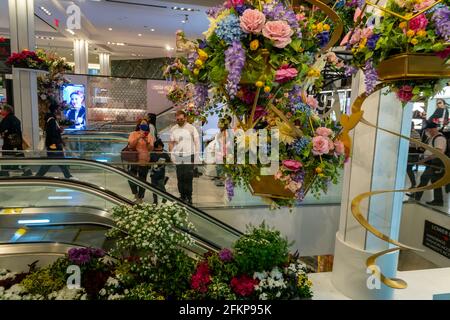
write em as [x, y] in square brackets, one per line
[139, 34]
[184, 9]
[45, 11]
[70, 31]
[110, 29]
[152, 30]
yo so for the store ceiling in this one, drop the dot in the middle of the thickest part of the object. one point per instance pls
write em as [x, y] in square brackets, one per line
[131, 22]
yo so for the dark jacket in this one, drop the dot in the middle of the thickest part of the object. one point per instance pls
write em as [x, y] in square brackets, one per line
[438, 114]
[82, 114]
[11, 132]
[53, 132]
[159, 171]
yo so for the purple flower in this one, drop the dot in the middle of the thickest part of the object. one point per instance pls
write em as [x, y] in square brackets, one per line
[441, 20]
[229, 186]
[215, 11]
[234, 63]
[202, 44]
[82, 256]
[226, 255]
[324, 38]
[192, 57]
[280, 12]
[259, 112]
[350, 70]
[372, 42]
[300, 177]
[200, 95]
[371, 76]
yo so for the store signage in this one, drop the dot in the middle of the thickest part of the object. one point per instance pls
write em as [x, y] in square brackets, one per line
[5, 52]
[437, 238]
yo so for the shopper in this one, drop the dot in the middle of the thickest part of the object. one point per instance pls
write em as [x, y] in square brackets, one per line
[142, 141]
[151, 118]
[11, 133]
[440, 115]
[53, 141]
[184, 146]
[220, 150]
[434, 170]
[159, 158]
[413, 156]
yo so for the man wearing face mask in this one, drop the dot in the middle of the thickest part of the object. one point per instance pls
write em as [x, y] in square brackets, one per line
[435, 168]
[184, 147]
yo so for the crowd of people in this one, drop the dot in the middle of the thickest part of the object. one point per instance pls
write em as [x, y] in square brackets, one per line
[184, 150]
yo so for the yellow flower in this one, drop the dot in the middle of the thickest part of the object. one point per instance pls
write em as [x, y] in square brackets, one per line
[421, 33]
[326, 27]
[313, 73]
[259, 84]
[254, 45]
[198, 63]
[196, 72]
[321, 175]
[267, 89]
[402, 25]
[320, 27]
[202, 55]
[363, 42]
[410, 33]
[414, 41]
[287, 135]
[319, 170]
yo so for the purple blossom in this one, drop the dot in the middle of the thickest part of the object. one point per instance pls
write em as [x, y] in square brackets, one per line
[372, 42]
[300, 177]
[229, 186]
[350, 70]
[215, 11]
[202, 44]
[192, 57]
[234, 63]
[82, 256]
[280, 12]
[441, 20]
[226, 255]
[371, 76]
[200, 95]
[324, 38]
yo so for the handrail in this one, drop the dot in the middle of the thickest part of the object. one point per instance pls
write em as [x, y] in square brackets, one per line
[124, 174]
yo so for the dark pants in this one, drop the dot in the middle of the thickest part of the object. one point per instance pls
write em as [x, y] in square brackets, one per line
[431, 174]
[409, 168]
[7, 152]
[159, 184]
[185, 177]
[58, 153]
[141, 173]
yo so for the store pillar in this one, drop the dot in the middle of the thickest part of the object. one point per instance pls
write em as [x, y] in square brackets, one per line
[81, 56]
[21, 20]
[378, 162]
[105, 64]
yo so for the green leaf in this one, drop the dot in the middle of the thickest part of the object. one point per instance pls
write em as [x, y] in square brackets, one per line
[296, 45]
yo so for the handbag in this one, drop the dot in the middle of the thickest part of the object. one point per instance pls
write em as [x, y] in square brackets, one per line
[129, 154]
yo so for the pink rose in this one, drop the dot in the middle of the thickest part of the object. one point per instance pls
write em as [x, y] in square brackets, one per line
[312, 102]
[405, 93]
[320, 145]
[234, 3]
[252, 21]
[367, 32]
[292, 165]
[278, 31]
[285, 73]
[356, 36]
[331, 57]
[330, 144]
[424, 4]
[324, 132]
[339, 147]
[300, 16]
[418, 23]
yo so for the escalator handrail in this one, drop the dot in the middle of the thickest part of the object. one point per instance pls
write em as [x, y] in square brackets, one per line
[126, 175]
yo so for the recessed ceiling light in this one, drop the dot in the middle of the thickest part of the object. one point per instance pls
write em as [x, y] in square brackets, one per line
[110, 29]
[152, 30]
[139, 34]
[183, 21]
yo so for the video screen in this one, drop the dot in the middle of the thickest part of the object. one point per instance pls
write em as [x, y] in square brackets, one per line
[74, 96]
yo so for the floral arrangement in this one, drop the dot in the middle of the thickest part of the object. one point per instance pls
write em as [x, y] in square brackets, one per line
[148, 262]
[376, 38]
[28, 59]
[258, 267]
[176, 94]
[258, 61]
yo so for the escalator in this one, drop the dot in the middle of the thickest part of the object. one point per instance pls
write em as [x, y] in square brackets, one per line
[44, 233]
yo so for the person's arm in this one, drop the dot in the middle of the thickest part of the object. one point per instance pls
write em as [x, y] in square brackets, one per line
[171, 141]
[52, 133]
[150, 142]
[440, 143]
[196, 145]
[133, 140]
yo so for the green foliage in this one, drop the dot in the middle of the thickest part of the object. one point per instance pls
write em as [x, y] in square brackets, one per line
[43, 282]
[259, 249]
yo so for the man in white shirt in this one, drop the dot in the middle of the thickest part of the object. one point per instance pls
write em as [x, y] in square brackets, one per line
[184, 146]
[435, 168]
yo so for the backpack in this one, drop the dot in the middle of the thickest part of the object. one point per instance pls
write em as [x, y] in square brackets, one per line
[447, 150]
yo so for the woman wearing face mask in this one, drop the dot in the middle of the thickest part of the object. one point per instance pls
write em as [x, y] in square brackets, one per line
[142, 141]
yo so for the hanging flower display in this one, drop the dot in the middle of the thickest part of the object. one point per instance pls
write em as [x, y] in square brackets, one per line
[407, 45]
[28, 59]
[258, 61]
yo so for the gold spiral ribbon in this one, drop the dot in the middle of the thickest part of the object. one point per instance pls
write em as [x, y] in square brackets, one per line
[348, 124]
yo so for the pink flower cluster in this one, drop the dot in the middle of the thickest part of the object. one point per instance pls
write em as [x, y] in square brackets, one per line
[322, 143]
[285, 73]
[254, 21]
[405, 93]
[243, 285]
[288, 179]
[418, 23]
[201, 279]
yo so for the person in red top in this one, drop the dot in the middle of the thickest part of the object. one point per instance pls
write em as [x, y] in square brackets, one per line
[142, 141]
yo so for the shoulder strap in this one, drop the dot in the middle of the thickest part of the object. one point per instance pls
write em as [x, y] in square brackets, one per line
[434, 138]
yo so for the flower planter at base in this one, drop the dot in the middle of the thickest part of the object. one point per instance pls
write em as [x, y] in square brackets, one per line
[413, 66]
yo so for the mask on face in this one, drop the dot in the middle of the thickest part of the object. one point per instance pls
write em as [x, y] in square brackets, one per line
[144, 127]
